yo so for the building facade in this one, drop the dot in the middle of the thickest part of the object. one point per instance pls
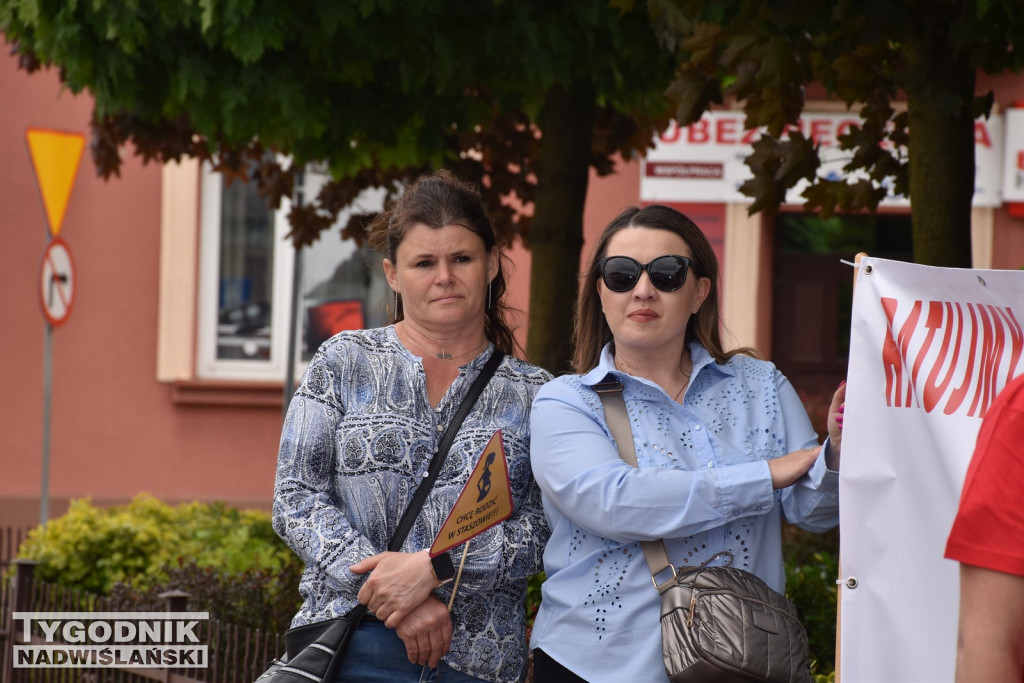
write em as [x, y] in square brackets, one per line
[169, 290]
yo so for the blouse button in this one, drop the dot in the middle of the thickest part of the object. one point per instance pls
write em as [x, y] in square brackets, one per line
[696, 428]
[440, 428]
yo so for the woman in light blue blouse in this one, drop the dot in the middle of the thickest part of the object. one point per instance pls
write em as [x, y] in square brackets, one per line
[360, 434]
[724, 447]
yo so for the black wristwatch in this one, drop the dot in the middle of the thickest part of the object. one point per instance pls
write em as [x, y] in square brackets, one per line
[444, 570]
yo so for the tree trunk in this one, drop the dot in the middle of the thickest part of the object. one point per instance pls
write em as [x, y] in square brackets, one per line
[556, 234]
[940, 93]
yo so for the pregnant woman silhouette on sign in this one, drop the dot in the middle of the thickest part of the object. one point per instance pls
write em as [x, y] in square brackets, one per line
[484, 485]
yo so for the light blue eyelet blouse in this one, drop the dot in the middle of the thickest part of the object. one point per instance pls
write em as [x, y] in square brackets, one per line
[702, 483]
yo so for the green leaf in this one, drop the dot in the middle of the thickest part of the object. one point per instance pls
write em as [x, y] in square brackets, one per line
[694, 94]
[207, 21]
[800, 159]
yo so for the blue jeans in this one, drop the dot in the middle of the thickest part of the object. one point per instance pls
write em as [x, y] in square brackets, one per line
[376, 653]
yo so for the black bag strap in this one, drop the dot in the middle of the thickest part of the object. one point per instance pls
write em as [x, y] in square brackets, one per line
[405, 524]
[416, 504]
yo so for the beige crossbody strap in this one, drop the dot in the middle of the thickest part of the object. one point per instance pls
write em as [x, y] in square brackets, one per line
[615, 414]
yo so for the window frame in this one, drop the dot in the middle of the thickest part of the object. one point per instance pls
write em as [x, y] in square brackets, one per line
[208, 366]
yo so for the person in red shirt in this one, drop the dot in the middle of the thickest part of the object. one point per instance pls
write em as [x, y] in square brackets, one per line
[987, 539]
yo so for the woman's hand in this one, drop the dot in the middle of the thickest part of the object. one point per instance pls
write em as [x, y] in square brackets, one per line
[835, 427]
[426, 632]
[791, 466]
[398, 583]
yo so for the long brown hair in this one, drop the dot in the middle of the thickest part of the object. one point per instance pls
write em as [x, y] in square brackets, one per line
[438, 200]
[591, 331]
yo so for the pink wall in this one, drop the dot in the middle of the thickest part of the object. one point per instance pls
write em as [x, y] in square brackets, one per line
[115, 431]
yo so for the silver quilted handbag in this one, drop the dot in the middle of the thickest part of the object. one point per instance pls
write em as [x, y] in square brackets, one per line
[723, 624]
[718, 624]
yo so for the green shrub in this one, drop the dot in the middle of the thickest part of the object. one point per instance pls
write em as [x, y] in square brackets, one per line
[261, 599]
[139, 544]
[812, 567]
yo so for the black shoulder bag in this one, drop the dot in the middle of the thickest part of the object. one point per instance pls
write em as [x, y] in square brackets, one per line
[315, 651]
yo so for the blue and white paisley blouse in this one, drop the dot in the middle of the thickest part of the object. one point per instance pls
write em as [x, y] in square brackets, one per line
[357, 441]
[702, 483]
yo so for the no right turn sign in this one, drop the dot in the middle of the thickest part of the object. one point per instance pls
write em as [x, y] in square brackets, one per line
[57, 282]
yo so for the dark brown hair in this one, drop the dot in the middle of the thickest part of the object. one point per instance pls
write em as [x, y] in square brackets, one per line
[591, 331]
[438, 200]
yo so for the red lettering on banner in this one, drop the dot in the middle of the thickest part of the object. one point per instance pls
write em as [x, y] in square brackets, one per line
[933, 390]
[1020, 160]
[1016, 339]
[991, 352]
[932, 343]
[892, 359]
[903, 342]
[933, 321]
[960, 392]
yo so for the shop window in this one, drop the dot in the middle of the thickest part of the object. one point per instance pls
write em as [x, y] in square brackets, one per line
[246, 272]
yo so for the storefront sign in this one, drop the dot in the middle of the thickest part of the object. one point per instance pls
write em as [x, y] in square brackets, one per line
[1013, 165]
[704, 162]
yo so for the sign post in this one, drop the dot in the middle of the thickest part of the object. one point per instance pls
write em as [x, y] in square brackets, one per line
[55, 159]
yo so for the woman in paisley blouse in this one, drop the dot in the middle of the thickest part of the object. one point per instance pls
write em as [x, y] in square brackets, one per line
[724, 449]
[361, 431]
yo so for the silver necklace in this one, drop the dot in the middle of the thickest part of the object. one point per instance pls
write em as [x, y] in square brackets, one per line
[444, 355]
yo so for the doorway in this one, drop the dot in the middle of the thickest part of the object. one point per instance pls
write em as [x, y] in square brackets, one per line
[813, 291]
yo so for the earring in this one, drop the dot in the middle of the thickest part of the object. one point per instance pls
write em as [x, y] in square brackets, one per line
[396, 303]
[488, 296]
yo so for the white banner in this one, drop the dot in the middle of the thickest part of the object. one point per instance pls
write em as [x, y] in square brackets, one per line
[929, 349]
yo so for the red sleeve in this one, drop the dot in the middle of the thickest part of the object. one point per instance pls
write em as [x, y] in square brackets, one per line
[988, 530]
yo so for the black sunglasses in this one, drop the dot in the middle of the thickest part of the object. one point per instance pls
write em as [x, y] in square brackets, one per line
[621, 273]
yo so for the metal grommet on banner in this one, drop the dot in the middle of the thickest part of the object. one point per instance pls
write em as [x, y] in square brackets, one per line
[851, 582]
[868, 269]
[982, 281]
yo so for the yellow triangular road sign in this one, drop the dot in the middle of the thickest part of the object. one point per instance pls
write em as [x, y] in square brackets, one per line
[485, 500]
[55, 157]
